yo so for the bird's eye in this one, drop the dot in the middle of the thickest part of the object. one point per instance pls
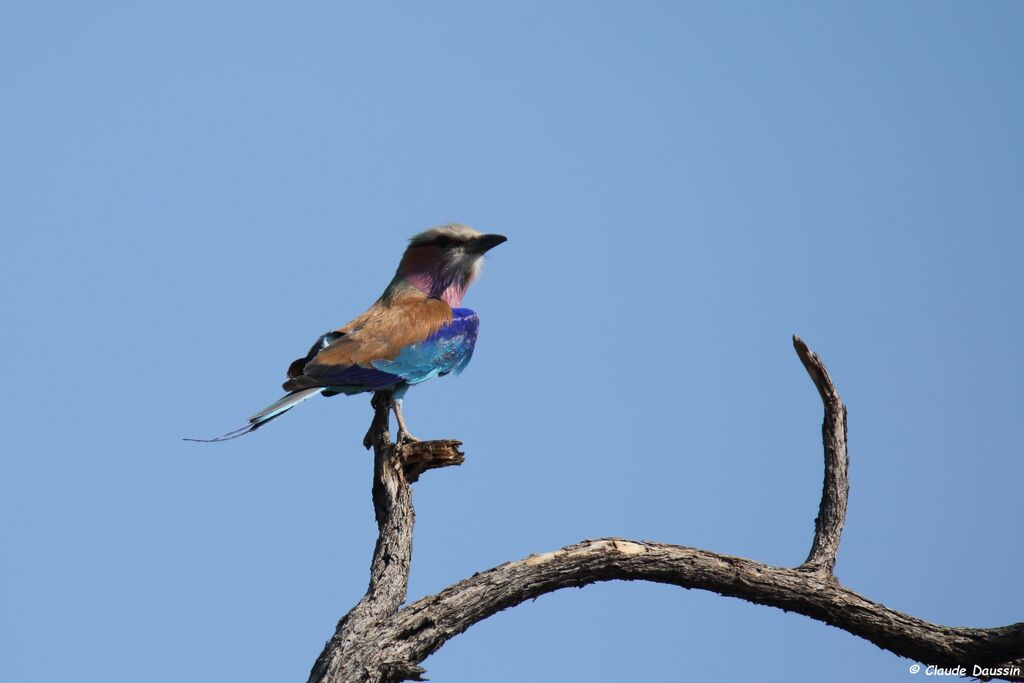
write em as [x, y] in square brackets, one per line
[442, 242]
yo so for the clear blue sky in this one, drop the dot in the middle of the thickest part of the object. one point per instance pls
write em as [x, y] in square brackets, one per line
[192, 192]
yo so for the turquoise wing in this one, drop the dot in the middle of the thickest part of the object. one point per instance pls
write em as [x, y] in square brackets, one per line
[447, 350]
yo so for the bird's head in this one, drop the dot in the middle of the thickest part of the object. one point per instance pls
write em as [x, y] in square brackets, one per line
[442, 262]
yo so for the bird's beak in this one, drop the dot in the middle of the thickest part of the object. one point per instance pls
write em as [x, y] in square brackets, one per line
[484, 243]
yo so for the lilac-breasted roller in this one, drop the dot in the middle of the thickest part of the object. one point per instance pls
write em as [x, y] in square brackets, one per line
[416, 330]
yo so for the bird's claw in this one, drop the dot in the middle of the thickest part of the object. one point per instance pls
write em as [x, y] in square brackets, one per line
[405, 437]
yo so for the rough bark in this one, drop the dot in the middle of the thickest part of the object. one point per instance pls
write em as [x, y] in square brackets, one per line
[379, 641]
[828, 526]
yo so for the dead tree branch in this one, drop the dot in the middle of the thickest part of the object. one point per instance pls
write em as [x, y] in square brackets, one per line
[379, 641]
[828, 526]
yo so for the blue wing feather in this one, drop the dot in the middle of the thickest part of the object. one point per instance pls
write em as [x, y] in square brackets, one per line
[447, 350]
[359, 379]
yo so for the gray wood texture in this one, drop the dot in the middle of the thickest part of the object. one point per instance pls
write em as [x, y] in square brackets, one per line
[380, 641]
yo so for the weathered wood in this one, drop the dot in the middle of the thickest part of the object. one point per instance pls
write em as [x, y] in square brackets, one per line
[394, 468]
[426, 624]
[378, 641]
[828, 526]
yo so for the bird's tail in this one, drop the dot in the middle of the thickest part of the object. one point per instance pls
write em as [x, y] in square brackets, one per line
[276, 409]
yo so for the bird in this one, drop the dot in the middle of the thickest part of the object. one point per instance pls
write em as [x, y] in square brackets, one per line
[415, 331]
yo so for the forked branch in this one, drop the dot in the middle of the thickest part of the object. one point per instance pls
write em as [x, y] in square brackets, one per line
[381, 642]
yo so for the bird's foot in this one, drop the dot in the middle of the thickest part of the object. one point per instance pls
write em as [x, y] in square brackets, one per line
[405, 437]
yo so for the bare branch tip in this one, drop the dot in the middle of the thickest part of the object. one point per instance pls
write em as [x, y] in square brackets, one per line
[815, 367]
[804, 352]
